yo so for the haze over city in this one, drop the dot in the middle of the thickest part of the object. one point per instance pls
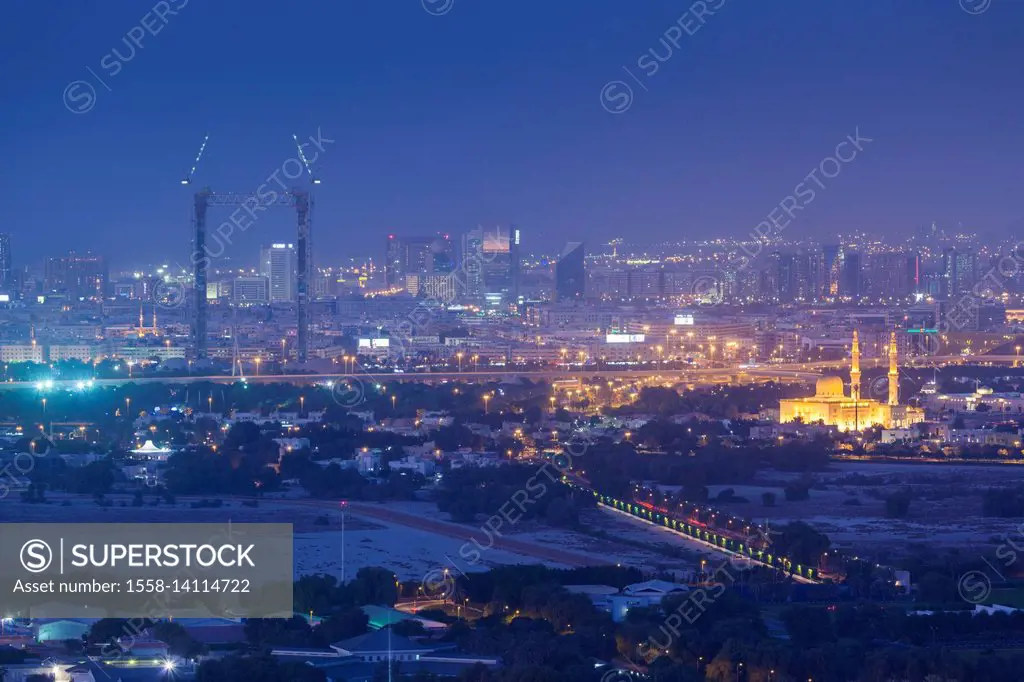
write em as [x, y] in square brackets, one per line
[492, 114]
[512, 341]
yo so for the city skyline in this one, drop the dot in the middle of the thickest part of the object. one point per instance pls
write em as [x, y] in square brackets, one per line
[927, 92]
[305, 307]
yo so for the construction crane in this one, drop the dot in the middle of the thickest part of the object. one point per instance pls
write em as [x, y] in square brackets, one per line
[187, 180]
[300, 200]
[302, 155]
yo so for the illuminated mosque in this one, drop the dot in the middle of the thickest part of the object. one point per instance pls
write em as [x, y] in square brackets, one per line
[831, 406]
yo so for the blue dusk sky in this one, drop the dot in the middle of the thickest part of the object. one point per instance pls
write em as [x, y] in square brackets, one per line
[447, 114]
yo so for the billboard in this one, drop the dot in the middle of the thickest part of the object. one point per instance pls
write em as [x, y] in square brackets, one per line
[624, 338]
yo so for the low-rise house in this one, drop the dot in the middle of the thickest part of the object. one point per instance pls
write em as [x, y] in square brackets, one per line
[618, 603]
[425, 466]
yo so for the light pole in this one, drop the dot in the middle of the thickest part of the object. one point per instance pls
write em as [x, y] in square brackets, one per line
[128, 407]
[209, 401]
[257, 361]
[302, 404]
[487, 399]
[458, 356]
[475, 358]
[343, 505]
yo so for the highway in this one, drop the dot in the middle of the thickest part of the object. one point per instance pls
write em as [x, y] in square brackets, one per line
[808, 371]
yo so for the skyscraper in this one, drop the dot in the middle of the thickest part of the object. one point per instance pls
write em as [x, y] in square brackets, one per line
[393, 261]
[850, 274]
[831, 266]
[421, 256]
[491, 266]
[78, 276]
[277, 264]
[5, 261]
[958, 271]
[570, 273]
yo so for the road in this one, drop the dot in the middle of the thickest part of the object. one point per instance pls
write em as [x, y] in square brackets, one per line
[468, 534]
[807, 371]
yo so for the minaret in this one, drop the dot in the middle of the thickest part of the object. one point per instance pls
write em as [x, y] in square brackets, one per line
[855, 368]
[142, 322]
[894, 378]
[154, 320]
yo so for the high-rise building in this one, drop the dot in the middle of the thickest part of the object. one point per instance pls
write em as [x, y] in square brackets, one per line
[78, 276]
[491, 266]
[570, 273]
[850, 274]
[891, 274]
[250, 290]
[277, 264]
[393, 271]
[958, 271]
[420, 256]
[5, 261]
[831, 267]
[516, 267]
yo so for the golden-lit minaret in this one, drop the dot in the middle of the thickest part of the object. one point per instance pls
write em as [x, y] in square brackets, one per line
[855, 367]
[154, 320]
[894, 378]
[142, 322]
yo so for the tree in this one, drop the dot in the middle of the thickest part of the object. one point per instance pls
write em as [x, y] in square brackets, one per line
[808, 626]
[409, 628]
[108, 630]
[897, 505]
[177, 639]
[800, 543]
[374, 585]
[259, 668]
[265, 633]
[95, 478]
[349, 623]
[797, 491]
[561, 512]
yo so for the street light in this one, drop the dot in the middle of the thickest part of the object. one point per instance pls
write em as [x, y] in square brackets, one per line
[487, 398]
[459, 358]
[257, 361]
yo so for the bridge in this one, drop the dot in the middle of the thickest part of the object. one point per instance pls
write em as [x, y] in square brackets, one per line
[807, 371]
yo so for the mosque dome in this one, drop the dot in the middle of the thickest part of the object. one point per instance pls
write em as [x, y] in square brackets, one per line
[829, 387]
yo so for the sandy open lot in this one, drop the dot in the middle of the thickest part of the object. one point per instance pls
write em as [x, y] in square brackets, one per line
[848, 504]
